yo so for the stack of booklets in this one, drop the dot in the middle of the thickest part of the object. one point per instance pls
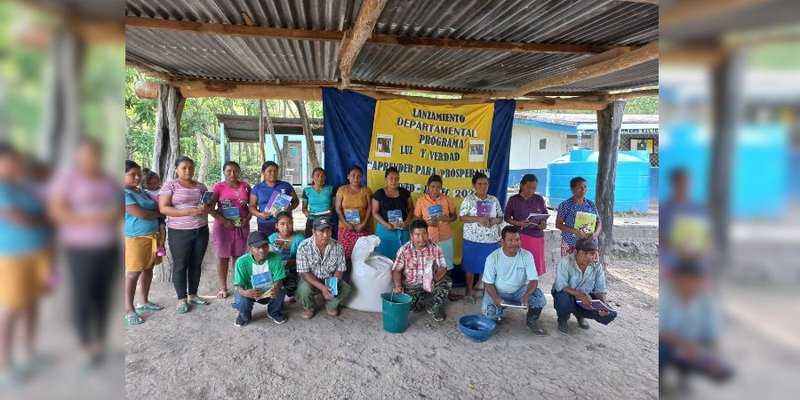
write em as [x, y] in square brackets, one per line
[232, 214]
[206, 198]
[586, 222]
[352, 216]
[537, 218]
[435, 212]
[485, 209]
[262, 279]
[596, 305]
[332, 283]
[395, 217]
[278, 202]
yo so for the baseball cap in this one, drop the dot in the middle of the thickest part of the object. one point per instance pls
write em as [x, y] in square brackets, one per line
[257, 239]
[321, 223]
[586, 245]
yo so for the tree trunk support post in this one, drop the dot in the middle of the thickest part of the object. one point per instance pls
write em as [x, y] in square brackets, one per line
[609, 122]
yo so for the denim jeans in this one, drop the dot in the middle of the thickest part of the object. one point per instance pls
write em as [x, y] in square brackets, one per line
[565, 305]
[245, 305]
[535, 300]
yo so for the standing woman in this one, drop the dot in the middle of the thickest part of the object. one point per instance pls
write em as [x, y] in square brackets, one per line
[482, 216]
[84, 202]
[396, 200]
[141, 244]
[187, 231]
[518, 207]
[352, 199]
[25, 265]
[262, 193]
[568, 209]
[229, 208]
[439, 229]
[318, 199]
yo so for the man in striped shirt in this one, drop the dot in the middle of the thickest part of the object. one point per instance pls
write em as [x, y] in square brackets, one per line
[425, 269]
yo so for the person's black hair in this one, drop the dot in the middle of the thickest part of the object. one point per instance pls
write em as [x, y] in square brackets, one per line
[434, 178]
[231, 163]
[390, 170]
[575, 181]
[129, 165]
[689, 267]
[417, 224]
[508, 229]
[528, 178]
[6, 149]
[183, 159]
[284, 214]
[678, 173]
[146, 176]
[320, 169]
[356, 167]
[479, 175]
[268, 164]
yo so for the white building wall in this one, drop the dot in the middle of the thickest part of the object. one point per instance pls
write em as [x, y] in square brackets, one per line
[525, 152]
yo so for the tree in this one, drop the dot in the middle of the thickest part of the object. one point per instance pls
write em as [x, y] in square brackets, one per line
[312, 150]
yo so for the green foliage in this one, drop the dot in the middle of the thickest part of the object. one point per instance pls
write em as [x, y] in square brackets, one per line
[642, 105]
[200, 128]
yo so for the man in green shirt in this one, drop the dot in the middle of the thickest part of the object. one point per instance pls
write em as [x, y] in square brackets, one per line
[259, 279]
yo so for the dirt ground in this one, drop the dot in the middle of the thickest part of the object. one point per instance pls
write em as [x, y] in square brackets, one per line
[202, 355]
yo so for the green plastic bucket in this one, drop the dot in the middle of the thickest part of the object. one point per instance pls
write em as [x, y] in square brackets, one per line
[395, 311]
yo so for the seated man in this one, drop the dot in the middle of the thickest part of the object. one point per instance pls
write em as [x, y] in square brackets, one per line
[689, 325]
[319, 257]
[580, 276]
[510, 275]
[425, 269]
[255, 271]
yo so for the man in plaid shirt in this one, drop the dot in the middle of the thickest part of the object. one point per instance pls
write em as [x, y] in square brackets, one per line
[320, 257]
[425, 269]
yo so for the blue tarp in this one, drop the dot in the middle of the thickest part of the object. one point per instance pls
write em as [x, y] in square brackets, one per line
[348, 133]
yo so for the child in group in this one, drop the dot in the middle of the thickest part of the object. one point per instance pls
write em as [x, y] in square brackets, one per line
[285, 242]
[151, 184]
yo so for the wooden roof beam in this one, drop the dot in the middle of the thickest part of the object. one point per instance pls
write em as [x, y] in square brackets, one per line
[304, 34]
[354, 41]
[621, 62]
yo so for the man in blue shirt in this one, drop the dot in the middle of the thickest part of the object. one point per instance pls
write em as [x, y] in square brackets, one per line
[580, 276]
[510, 275]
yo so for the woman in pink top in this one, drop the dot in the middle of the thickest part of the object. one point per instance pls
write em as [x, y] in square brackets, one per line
[231, 221]
[187, 231]
[84, 202]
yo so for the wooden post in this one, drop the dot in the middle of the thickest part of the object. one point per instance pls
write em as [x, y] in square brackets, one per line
[166, 149]
[166, 146]
[261, 131]
[727, 85]
[609, 122]
[309, 135]
[223, 153]
[63, 122]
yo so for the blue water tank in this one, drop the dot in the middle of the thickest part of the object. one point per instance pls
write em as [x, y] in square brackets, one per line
[632, 192]
[761, 170]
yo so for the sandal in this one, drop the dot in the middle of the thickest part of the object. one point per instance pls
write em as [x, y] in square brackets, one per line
[470, 298]
[183, 308]
[454, 296]
[199, 301]
[222, 294]
[133, 319]
[149, 306]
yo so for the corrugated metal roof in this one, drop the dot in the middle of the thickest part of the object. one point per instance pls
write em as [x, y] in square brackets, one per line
[241, 128]
[329, 15]
[210, 56]
[576, 22]
[606, 22]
